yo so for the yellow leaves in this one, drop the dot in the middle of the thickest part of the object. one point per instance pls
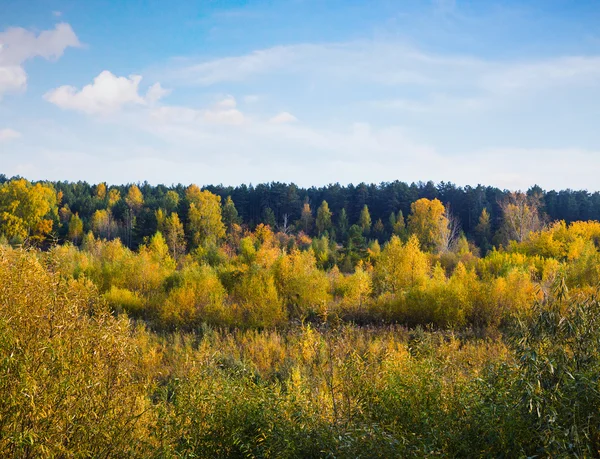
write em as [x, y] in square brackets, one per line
[324, 215]
[71, 360]
[101, 191]
[197, 296]
[401, 266]
[306, 218]
[121, 299]
[264, 235]
[374, 250]
[204, 216]
[174, 235]
[159, 251]
[114, 196]
[247, 250]
[26, 209]
[134, 199]
[364, 220]
[103, 224]
[428, 222]
[75, 230]
[42, 228]
[303, 286]
[303, 240]
[355, 289]
[256, 301]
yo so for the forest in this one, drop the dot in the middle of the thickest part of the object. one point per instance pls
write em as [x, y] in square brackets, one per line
[388, 320]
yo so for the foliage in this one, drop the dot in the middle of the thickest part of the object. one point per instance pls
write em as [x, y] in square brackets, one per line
[204, 216]
[264, 341]
[26, 210]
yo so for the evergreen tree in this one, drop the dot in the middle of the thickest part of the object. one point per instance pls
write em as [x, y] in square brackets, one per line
[343, 224]
[268, 217]
[230, 214]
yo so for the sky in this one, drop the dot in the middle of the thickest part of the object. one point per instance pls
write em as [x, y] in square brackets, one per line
[502, 93]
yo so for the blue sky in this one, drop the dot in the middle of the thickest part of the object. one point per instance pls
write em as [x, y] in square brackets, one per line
[311, 91]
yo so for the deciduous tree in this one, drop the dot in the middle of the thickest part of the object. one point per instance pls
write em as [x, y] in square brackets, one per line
[429, 223]
[75, 229]
[323, 218]
[306, 218]
[520, 216]
[26, 210]
[364, 220]
[204, 217]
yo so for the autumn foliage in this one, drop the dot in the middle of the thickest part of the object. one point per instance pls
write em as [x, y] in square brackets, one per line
[319, 337]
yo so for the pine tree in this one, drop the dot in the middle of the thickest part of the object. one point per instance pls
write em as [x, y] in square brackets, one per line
[343, 224]
[230, 214]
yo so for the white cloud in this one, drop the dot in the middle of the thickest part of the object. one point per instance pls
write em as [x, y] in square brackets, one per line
[156, 92]
[387, 63]
[12, 78]
[7, 134]
[283, 117]
[107, 94]
[437, 81]
[543, 74]
[228, 102]
[223, 112]
[18, 45]
[234, 68]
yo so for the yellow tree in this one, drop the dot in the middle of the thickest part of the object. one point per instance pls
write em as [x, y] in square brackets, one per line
[428, 221]
[103, 224]
[359, 286]
[365, 220]
[134, 199]
[306, 218]
[114, 196]
[75, 228]
[303, 287]
[204, 216]
[401, 266]
[26, 210]
[174, 235]
[101, 191]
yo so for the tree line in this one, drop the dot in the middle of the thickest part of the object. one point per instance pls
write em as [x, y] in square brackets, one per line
[345, 214]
